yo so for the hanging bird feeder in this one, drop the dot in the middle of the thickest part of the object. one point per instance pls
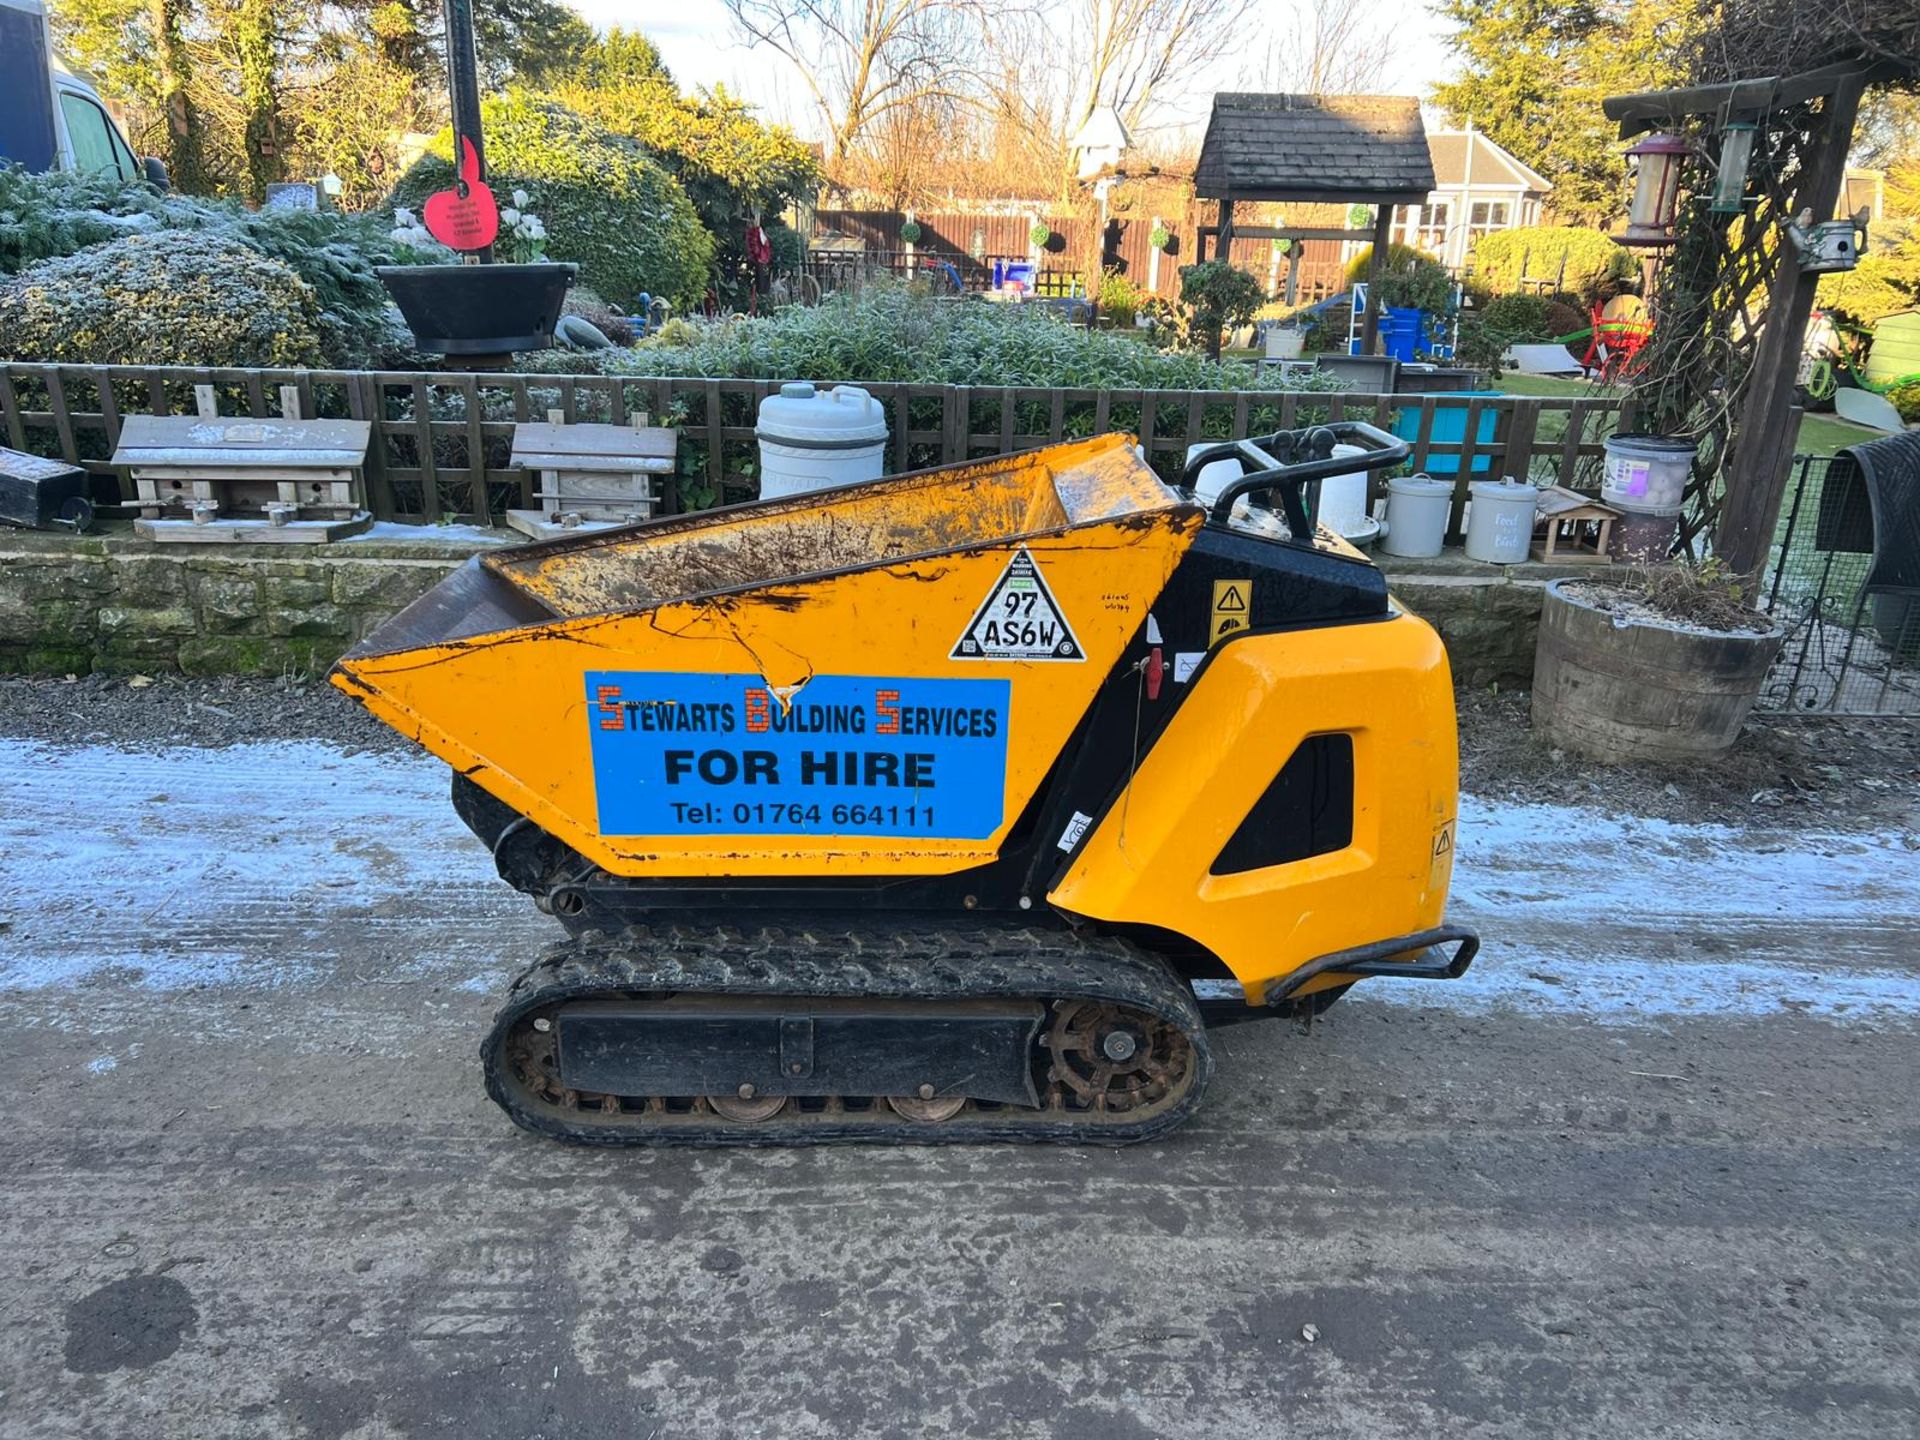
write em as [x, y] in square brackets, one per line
[1736, 154]
[1656, 190]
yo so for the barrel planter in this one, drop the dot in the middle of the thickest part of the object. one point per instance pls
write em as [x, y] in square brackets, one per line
[1619, 689]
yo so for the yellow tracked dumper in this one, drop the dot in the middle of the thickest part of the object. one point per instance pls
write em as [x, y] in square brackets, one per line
[950, 807]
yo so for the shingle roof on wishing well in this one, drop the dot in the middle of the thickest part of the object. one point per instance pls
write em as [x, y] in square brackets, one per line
[1323, 148]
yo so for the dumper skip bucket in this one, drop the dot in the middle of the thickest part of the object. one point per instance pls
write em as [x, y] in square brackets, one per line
[874, 678]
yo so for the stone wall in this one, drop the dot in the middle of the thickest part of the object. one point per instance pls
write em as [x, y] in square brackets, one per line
[1489, 615]
[113, 603]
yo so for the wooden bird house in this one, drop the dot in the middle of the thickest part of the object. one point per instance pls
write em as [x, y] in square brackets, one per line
[1572, 529]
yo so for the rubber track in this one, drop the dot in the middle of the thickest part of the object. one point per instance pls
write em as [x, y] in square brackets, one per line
[883, 957]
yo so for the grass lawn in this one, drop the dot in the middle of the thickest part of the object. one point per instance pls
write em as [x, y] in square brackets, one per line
[1819, 434]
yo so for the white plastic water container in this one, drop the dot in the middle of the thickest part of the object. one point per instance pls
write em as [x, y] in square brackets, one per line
[814, 441]
[1500, 521]
[1417, 507]
[1216, 475]
[1646, 473]
[1343, 500]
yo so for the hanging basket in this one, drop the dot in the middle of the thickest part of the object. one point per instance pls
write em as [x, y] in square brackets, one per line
[910, 233]
[1041, 235]
[1160, 237]
[479, 309]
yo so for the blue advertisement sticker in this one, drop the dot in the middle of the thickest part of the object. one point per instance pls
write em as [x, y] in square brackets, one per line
[851, 755]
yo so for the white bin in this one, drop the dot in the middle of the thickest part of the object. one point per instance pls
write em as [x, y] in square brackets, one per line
[810, 441]
[1343, 500]
[1216, 475]
[1500, 521]
[1417, 507]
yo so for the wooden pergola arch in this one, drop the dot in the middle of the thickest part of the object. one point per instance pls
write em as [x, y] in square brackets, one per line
[1347, 150]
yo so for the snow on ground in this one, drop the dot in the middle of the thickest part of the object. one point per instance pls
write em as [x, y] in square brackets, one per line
[391, 532]
[261, 865]
[286, 863]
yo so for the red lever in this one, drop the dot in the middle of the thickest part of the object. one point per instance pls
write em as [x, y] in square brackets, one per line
[1156, 671]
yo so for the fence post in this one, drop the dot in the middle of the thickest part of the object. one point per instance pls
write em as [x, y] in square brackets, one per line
[1523, 419]
[955, 423]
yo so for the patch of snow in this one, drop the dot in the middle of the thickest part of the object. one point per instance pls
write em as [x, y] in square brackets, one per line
[258, 865]
[1577, 865]
[296, 864]
[1624, 920]
[102, 1065]
[390, 532]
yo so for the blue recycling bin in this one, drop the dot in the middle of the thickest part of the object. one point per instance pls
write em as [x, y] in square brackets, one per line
[1401, 330]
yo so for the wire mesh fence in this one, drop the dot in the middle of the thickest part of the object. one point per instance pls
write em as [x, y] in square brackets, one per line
[1852, 648]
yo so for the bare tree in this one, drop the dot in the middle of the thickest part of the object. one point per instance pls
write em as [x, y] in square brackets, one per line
[864, 60]
[1136, 50]
[1326, 47]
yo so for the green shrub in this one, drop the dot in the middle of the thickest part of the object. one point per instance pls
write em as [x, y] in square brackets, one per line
[608, 208]
[1520, 315]
[1417, 284]
[173, 299]
[1906, 399]
[1503, 321]
[1218, 296]
[1879, 286]
[1564, 318]
[1399, 257]
[1119, 298]
[789, 247]
[43, 217]
[1595, 264]
[903, 333]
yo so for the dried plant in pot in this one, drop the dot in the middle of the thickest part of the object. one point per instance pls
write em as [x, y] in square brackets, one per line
[1662, 663]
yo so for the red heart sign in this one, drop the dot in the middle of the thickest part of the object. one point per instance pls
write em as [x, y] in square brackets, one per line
[463, 222]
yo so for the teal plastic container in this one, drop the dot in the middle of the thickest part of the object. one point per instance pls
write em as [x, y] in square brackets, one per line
[1450, 428]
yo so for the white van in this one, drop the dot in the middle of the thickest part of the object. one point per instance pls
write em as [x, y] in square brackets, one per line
[50, 119]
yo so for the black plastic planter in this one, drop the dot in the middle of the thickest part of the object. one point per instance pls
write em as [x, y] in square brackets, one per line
[479, 309]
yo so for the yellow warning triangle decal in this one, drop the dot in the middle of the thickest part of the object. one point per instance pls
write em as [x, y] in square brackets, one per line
[1231, 600]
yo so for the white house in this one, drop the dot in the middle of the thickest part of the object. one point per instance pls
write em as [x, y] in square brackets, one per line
[1478, 188]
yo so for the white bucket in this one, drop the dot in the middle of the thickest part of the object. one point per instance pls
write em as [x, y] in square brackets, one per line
[1343, 498]
[1417, 508]
[1646, 473]
[1500, 521]
[810, 441]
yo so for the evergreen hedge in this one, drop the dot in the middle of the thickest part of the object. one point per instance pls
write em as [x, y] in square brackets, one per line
[1595, 264]
[607, 206]
[162, 299]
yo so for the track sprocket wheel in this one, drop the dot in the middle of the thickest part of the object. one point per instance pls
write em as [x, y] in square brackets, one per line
[1111, 1058]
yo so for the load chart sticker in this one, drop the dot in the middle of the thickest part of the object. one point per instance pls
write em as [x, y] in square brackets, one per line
[1020, 620]
[849, 755]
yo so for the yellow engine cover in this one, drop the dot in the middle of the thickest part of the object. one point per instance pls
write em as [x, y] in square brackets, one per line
[1150, 861]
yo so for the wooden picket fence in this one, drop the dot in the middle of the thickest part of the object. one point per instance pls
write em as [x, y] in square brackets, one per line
[442, 439]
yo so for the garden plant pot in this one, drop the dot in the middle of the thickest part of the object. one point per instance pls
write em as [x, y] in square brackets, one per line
[479, 309]
[1619, 689]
